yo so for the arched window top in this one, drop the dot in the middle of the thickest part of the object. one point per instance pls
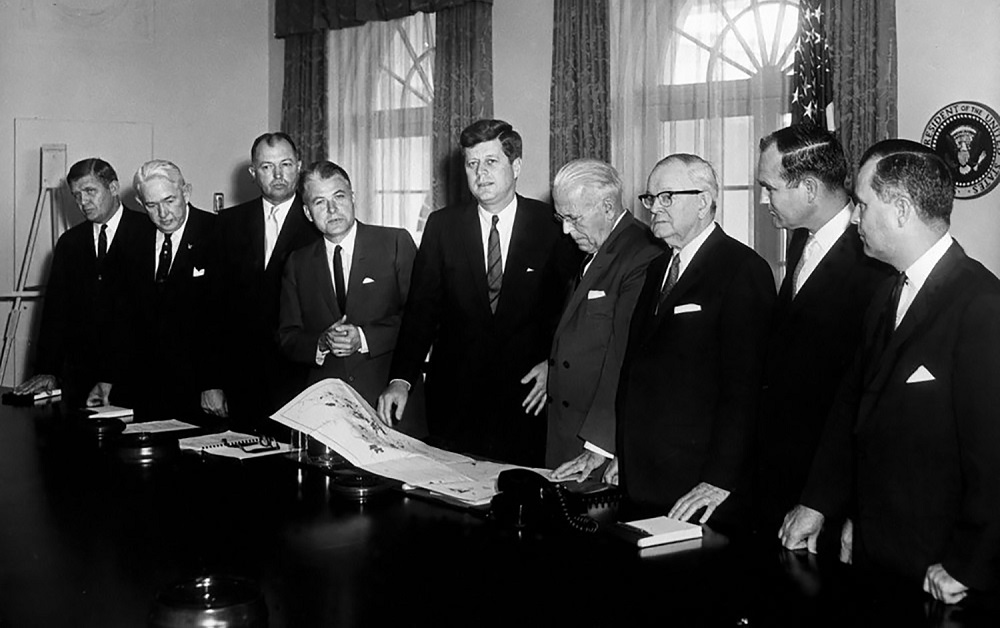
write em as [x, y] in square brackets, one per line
[731, 40]
[407, 65]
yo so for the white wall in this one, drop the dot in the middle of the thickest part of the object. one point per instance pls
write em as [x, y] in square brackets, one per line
[196, 71]
[950, 52]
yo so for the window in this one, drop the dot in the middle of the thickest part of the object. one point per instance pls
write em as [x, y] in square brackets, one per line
[404, 108]
[381, 78]
[726, 76]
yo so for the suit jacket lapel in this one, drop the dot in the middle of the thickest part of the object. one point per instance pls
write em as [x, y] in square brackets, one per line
[472, 238]
[358, 260]
[605, 257]
[325, 279]
[923, 309]
[255, 234]
[289, 228]
[692, 273]
[795, 248]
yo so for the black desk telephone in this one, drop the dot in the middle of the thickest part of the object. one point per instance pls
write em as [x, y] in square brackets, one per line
[527, 500]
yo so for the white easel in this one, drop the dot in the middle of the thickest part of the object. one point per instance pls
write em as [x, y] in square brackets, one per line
[53, 167]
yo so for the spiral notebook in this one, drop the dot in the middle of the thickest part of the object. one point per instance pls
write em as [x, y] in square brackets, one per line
[231, 444]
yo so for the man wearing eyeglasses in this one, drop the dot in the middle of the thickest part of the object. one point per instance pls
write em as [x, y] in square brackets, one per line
[589, 342]
[690, 382]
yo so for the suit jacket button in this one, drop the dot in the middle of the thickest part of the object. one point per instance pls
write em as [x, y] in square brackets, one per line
[565, 404]
[565, 364]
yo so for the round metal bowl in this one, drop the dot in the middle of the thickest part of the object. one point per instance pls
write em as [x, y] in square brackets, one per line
[214, 601]
[146, 449]
[356, 485]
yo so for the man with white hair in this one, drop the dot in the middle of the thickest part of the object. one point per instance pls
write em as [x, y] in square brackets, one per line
[589, 342]
[176, 327]
[689, 386]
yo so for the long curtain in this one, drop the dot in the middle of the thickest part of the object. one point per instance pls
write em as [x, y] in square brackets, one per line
[862, 36]
[304, 94]
[701, 77]
[579, 117]
[463, 76]
[380, 99]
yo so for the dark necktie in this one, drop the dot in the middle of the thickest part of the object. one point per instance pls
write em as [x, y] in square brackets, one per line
[338, 280]
[583, 268]
[102, 244]
[163, 266]
[494, 265]
[672, 274]
[887, 320]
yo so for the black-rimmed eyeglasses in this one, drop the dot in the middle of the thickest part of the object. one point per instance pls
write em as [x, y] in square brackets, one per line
[666, 198]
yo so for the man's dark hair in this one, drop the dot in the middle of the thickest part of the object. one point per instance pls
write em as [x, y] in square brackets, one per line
[910, 168]
[92, 166]
[323, 170]
[271, 139]
[806, 149]
[486, 130]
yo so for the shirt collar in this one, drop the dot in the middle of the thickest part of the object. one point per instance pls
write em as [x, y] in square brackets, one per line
[347, 244]
[828, 234]
[917, 273]
[282, 207]
[506, 214]
[112, 224]
[176, 236]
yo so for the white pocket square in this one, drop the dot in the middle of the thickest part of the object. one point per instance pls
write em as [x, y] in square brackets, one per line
[530, 270]
[595, 294]
[367, 280]
[198, 272]
[920, 375]
[687, 307]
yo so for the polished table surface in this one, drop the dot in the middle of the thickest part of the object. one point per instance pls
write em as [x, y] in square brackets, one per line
[86, 540]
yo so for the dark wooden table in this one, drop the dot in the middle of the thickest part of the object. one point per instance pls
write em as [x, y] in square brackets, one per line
[86, 540]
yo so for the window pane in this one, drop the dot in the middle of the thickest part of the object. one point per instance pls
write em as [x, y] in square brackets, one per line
[735, 214]
[739, 143]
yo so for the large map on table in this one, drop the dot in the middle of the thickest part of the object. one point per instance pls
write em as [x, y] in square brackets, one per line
[334, 414]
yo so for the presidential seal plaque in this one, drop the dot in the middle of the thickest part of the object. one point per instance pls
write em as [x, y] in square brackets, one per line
[967, 136]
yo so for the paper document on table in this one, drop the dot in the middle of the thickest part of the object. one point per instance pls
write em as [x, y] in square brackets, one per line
[334, 414]
[152, 427]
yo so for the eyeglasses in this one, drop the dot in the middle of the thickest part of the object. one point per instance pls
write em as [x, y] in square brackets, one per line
[666, 198]
[572, 220]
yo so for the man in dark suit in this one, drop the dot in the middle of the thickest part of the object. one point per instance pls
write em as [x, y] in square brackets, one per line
[589, 342]
[486, 292]
[911, 443]
[689, 388]
[255, 239]
[175, 352]
[817, 321]
[342, 297]
[80, 347]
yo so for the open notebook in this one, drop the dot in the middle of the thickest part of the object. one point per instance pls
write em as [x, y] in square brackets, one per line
[234, 445]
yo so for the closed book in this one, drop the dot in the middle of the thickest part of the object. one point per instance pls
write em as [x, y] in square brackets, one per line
[657, 531]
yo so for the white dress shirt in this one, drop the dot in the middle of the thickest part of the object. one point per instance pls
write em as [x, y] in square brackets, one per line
[917, 273]
[175, 242]
[274, 219]
[822, 241]
[504, 227]
[112, 228]
[347, 258]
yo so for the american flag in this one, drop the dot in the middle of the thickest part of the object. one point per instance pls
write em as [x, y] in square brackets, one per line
[812, 90]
